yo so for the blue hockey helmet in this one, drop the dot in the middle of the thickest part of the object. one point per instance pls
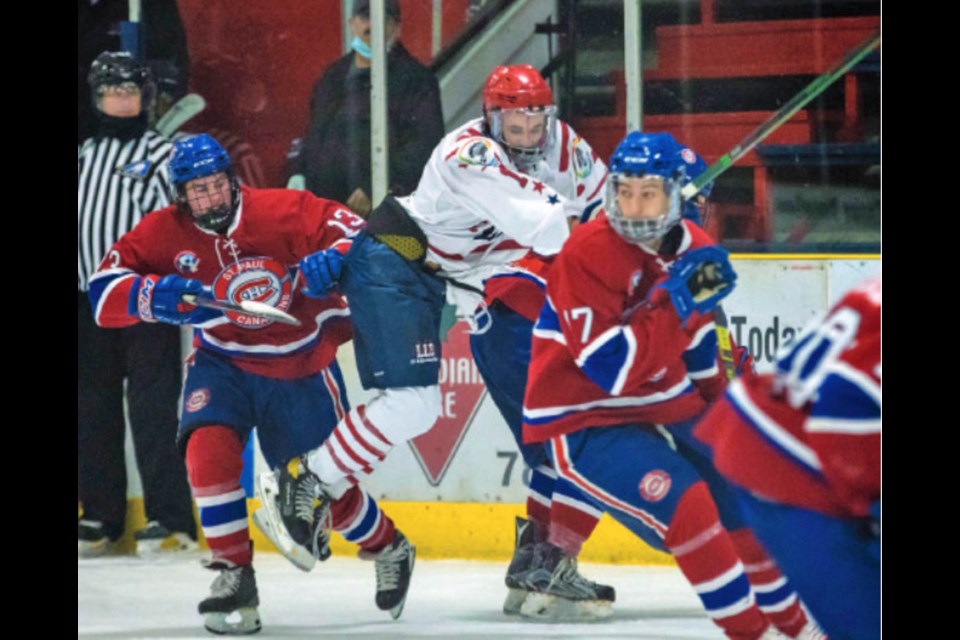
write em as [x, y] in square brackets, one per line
[646, 155]
[200, 156]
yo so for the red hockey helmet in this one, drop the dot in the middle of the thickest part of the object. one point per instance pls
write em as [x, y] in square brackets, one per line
[516, 86]
[519, 94]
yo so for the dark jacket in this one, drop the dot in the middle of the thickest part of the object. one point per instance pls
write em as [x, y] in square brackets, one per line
[335, 157]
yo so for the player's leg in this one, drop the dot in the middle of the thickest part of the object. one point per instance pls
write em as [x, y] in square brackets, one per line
[101, 466]
[214, 427]
[154, 374]
[299, 415]
[834, 563]
[775, 594]
[395, 309]
[651, 489]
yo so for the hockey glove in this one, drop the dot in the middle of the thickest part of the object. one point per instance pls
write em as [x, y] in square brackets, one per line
[699, 280]
[321, 271]
[161, 300]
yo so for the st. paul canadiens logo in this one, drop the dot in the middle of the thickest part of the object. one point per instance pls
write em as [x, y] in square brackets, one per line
[257, 279]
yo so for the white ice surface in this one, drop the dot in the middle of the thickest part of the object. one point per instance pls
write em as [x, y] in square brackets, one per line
[128, 597]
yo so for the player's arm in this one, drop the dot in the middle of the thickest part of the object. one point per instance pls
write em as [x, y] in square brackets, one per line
[123, 291]
[328, 230]
[616, 351]
[527, 210]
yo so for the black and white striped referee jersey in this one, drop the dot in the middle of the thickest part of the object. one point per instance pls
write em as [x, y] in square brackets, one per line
[117, 184]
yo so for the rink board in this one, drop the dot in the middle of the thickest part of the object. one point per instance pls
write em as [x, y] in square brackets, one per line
[455, 490]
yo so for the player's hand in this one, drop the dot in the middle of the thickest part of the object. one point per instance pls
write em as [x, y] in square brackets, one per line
[360, 202]
[699, 280]
[161, 300]
[707, 281]
[321, 272]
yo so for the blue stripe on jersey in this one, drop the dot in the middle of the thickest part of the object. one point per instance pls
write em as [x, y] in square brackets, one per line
[702, 356]
[520, 274]
[548, 320]
[97, 285]
[590, 208]
[841, 397]
[206, 345]
[553, 414]
[775, 597]
[727, 595]
[223, 513]
[605, 363]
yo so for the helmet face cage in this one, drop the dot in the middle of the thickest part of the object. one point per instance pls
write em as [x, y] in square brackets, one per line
[201, 156]
[645, 231]
[524, 156]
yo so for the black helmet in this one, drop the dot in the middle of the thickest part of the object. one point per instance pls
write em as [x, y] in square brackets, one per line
[117, 67]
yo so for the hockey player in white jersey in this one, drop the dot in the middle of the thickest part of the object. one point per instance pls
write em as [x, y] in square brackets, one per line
[485, 199]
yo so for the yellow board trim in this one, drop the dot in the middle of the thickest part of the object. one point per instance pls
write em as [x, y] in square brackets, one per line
[463, 530]
[806, 256]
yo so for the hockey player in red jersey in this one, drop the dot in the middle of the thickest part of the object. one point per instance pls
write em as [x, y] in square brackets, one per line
[802, 445]
[230, 243]
[624, 361]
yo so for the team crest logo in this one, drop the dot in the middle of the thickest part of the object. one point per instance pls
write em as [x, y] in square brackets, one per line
[258, 279]
[655, 485]
[197, 400]
[688, 156]
[478, 152]
[186, 262]
[582, 162]
[462, 391]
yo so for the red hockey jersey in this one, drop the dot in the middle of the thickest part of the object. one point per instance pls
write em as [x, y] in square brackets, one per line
[809, 435]
[608, 346]
[256, 259]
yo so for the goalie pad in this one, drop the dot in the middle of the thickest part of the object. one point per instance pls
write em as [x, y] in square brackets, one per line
[699, 280]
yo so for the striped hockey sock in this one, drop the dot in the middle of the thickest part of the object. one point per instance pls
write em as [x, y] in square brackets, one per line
[706, 556]
[214, 462]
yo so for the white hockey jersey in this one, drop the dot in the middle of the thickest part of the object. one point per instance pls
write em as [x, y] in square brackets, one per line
[480, 212]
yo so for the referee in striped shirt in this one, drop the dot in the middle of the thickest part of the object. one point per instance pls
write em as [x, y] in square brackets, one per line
[121, 177]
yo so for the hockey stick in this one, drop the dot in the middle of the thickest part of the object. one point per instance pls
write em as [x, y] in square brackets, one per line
[751, 140]
[786, 112]
[246, 307]
[184, 109]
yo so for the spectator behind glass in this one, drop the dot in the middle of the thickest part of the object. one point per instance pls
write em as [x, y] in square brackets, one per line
[335, 155]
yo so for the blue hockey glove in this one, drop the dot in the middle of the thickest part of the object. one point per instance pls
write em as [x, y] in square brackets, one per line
[321, 271]
[161, 300]
[699, 280]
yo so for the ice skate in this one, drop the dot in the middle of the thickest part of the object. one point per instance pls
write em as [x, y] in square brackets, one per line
[295, 515]
[559, 593]
[91, 541]
[394, 565]
[520, 564]
[155, 540]
[231, 608]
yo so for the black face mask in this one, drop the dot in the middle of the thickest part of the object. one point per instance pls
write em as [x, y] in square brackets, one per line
[122, 128]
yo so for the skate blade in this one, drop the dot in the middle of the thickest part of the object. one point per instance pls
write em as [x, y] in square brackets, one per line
[87, 549]
[268, 520]
[515, 600]
[549, 608]
[174, 544]
[241, 622]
